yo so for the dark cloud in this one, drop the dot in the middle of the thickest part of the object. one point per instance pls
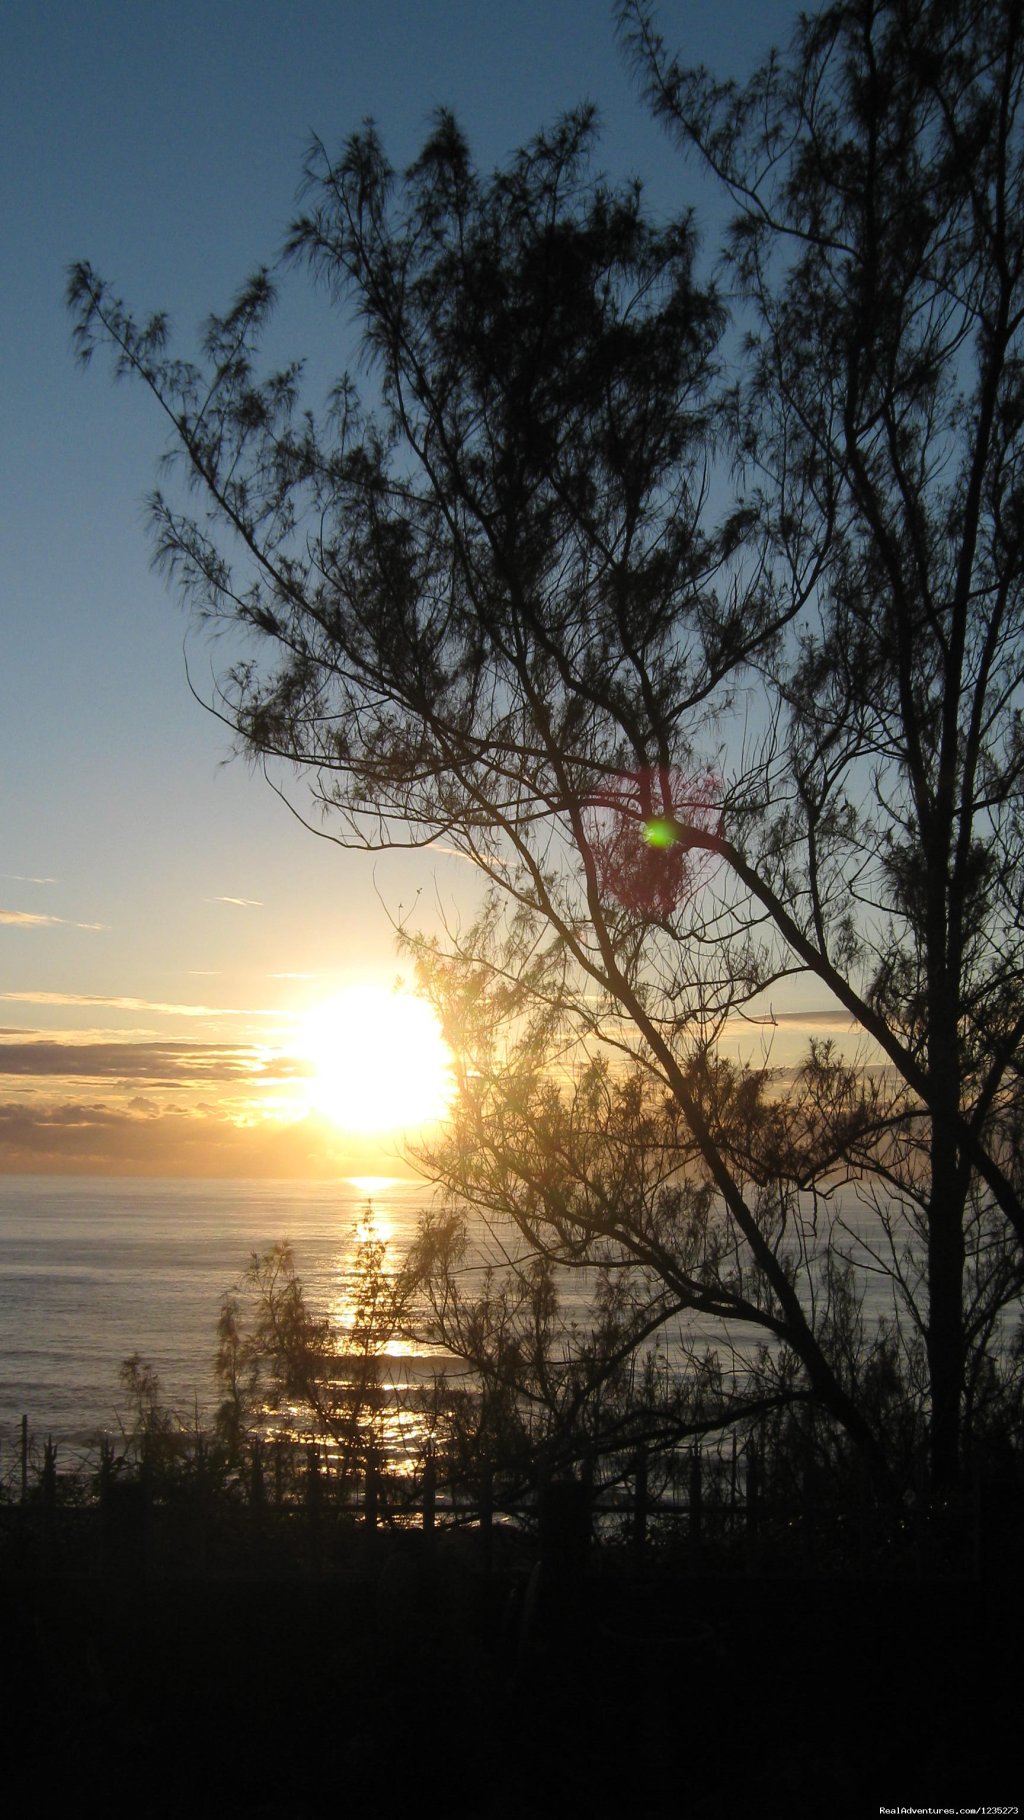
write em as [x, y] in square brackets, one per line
[164, 1062]
[91, 1138]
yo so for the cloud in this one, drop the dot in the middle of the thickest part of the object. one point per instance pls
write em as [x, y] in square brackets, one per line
[31, 919]
[246, 903]
[834, 1018]
[91, 1137]
[132, 1004]
[27, 878]
[484, 860]
[168, 1064]
[293, 976]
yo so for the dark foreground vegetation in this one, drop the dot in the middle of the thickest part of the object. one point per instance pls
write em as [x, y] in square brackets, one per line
[397, 1597]
[288, 1509]
[176, 1638]
[519, 1414]
[408, 1684]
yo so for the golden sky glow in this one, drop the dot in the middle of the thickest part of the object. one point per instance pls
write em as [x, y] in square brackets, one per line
[333, 1086]
[333, 1082]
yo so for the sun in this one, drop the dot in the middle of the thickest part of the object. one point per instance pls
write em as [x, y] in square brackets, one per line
[379, 1061]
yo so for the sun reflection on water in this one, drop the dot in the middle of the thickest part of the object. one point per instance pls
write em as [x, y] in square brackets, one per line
[372, 1184]
[380, 1378]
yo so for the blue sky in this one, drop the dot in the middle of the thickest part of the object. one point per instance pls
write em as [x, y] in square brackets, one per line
[163, 143]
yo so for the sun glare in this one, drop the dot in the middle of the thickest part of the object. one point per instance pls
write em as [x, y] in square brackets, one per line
[379, 1060]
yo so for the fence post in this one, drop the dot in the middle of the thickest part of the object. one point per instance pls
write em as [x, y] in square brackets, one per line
[106, 1494]
[314, 1495]
[371, 1507]
[486, 1519]
[639, 1537]
[808, 1512]
[564, 1513]
[257, 1489]
[696, 1506]
[753, 1487]
[429, 1493]
[202, 1505]
[313, 1487]
[48, 1504]
[732, 1490]
[753, 1497]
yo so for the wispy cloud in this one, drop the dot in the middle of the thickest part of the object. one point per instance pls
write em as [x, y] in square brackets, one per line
[133, 1004]
[28, 878]
[245, 903]
[31, 919]
[834, 1018]
[483, 860]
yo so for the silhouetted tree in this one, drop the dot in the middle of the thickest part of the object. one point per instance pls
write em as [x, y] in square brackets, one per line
[318, 1375]
[878, 249]
[694, 758]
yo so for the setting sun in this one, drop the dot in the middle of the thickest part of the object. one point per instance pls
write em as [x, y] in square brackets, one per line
[379, 1060]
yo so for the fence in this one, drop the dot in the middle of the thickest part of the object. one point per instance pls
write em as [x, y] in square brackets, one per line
[284, 1508]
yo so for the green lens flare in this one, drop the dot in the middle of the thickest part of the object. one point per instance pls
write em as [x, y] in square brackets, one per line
[660, 833]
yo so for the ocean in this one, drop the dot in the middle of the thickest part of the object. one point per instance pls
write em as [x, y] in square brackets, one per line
[93, 1270]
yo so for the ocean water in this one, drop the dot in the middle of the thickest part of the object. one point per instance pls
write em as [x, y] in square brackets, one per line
[93, 1270]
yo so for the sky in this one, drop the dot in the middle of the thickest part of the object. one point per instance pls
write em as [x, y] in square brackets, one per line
[166, 924]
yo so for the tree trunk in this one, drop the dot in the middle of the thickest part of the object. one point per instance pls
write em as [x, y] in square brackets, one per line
[946, 1257]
